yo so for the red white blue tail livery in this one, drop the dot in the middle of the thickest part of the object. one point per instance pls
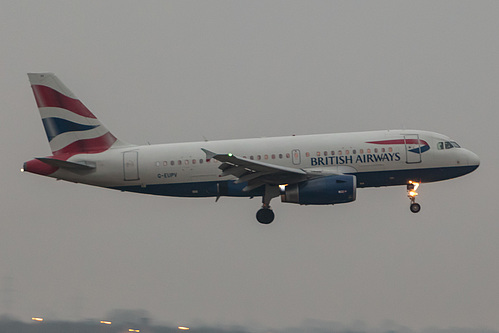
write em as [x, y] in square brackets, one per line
[70, 127]
[323, 169]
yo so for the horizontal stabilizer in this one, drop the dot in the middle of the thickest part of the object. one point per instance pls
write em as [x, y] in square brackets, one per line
[67, 165]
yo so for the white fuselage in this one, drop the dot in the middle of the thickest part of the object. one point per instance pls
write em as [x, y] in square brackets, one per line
[323, 169]
[377, 158]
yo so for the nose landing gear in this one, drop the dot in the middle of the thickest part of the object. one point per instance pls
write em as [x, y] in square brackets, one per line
[411, 193]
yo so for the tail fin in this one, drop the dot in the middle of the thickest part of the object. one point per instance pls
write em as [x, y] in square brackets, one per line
[70, 127]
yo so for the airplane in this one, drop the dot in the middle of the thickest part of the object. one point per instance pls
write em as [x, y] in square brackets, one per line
[319, 169]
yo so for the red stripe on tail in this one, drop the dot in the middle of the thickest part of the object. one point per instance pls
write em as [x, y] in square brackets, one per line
[92, 146]
[38, 167]
[48, 97]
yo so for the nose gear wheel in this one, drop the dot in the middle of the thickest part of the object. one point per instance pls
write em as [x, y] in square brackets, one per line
[411, 193]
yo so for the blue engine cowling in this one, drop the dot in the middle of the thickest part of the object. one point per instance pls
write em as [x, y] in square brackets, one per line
[328, 190]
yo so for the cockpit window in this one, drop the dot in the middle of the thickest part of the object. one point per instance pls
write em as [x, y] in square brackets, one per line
[448, 145]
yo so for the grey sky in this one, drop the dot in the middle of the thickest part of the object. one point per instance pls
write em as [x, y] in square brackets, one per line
[173, 71]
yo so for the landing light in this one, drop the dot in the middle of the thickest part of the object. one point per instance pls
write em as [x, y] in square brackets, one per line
[22, 170]
[183, 328]
[413, 194]
[416, 184]
[229, 154]
[37, 319]
[105, 322]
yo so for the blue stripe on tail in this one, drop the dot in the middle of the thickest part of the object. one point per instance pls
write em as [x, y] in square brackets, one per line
[55, 126]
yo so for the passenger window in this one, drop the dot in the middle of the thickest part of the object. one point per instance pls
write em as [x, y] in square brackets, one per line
[354, 152]
[200, 161]
[325, 153]
[251, 157]
[347, 152]
[266, 156]
[288, 155]
[390, 149]
[165, 163]
[193, 161]
[339, 152]
[258, 157]
[172, 162]
[273, 156]
[361, 151]
[369, 151]
[157, 164]
[332, 152]
[307, 154]
[318, 153]
[280, 156]
[376, 150]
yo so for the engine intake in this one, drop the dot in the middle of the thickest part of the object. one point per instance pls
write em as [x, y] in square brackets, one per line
[328, 190]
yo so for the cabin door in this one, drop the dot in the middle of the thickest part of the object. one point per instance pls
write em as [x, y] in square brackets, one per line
[131, 165]
[412, 148]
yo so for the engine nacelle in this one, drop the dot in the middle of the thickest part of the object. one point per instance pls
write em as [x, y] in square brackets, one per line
[328, 190]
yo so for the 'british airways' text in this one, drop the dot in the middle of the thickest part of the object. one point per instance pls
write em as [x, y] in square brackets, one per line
[365, 158]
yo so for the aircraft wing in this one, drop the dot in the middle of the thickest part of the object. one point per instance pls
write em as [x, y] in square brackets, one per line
[256, 173]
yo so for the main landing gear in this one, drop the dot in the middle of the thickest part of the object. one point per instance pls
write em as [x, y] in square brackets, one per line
[266, 215]
[411, 193]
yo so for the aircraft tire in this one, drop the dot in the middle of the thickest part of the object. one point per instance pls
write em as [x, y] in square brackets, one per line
[265, 216]
[415, 207]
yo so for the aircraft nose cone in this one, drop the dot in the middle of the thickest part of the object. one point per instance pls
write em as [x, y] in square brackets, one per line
[473, 159]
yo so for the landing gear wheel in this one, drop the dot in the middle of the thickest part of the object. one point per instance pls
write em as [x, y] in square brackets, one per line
[415, 207]
[265, 216]
[412, 187]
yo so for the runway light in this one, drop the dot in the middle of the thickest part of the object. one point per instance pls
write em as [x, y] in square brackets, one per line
[183, 328]
[105, 322]
[37, 319]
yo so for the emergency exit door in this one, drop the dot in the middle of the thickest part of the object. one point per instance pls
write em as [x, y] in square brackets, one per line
[296, 158]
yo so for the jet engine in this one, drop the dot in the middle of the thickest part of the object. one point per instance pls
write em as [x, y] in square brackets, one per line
[327, 190]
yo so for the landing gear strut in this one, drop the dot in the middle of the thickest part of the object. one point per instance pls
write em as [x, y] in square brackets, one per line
[266, 215]
[411, 193]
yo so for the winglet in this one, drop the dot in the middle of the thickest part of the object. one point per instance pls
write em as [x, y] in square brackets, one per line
[209, 154]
